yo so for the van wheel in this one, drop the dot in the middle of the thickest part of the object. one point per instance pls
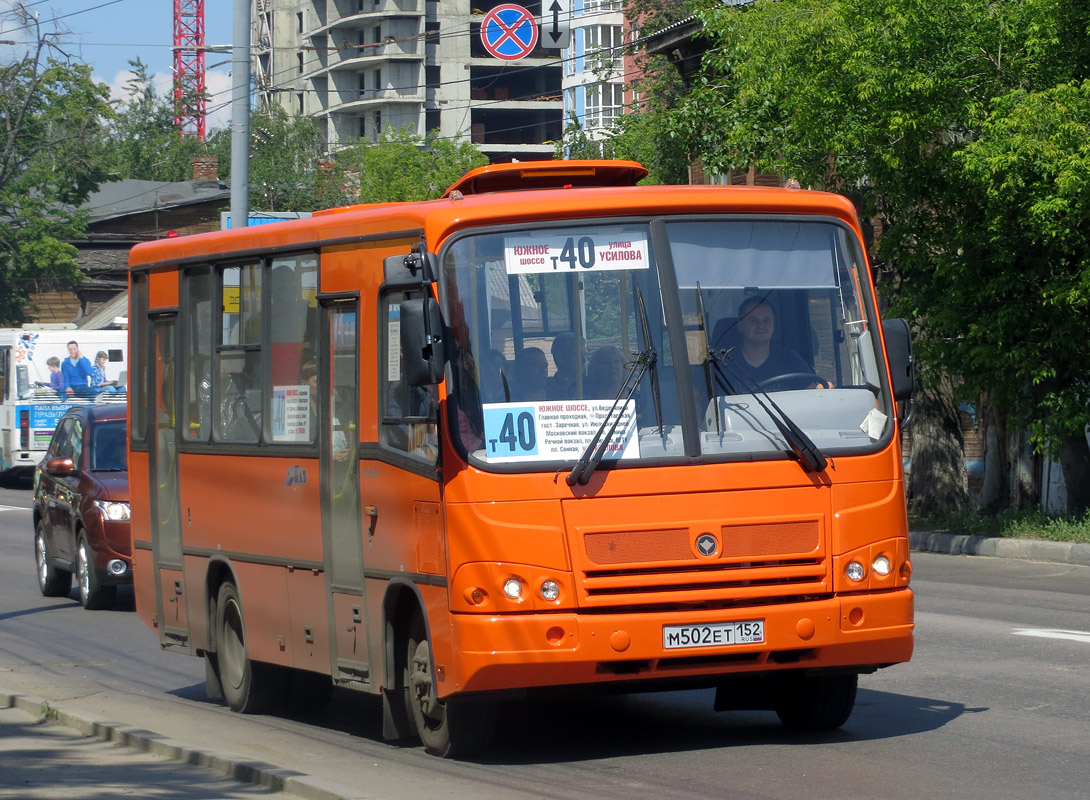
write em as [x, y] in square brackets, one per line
[814, 702]
[449, 729]
[92, 594]
[53, 582]
[248, 687]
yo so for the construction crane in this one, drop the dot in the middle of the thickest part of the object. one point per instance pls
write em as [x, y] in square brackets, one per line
[189, 81]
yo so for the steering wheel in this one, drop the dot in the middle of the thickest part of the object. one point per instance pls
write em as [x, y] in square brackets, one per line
[797, 380]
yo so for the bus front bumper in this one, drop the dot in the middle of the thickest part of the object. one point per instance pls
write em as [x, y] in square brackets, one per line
[520, 651]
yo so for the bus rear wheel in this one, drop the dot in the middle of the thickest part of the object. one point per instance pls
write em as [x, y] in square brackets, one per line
[448, 729]
[249, 687]
[815, 702]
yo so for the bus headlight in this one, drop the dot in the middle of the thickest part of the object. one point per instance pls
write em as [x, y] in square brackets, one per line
[550, 590]
[118, 512]
[882, 566]
[512, 589]
[855, 571]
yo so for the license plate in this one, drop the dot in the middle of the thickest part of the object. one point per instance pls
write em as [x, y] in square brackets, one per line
[715, 634]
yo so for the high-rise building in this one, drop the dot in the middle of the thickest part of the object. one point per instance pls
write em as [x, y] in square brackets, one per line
[361, 66]
[594, 66]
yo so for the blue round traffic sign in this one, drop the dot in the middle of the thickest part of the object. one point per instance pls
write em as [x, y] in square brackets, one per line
[509, 32]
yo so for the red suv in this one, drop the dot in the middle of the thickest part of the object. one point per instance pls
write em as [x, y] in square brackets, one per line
[81, 507]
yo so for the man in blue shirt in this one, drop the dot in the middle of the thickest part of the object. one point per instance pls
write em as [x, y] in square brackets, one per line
[77, 372]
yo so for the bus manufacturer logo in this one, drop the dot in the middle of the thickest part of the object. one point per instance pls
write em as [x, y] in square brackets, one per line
[706, 544]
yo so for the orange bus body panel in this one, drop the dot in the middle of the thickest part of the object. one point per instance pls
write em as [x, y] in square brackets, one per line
[449, 537]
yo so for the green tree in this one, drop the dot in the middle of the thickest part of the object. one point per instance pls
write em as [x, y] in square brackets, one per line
[143, 140]
[51, 116]
[406, 166]
[942, 119]
[288, 167]
[635, 136]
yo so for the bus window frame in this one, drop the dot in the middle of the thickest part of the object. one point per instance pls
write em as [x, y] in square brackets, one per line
[402, 457]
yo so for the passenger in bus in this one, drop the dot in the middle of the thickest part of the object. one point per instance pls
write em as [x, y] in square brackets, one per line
[759, 359]
[567, 354]
[308, 375]
[99, 382]
[606, 371]
[77, 372]
[493, 371]
[56, 377]
[531, 372]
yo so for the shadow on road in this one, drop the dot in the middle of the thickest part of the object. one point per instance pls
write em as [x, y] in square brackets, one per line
[576, 728]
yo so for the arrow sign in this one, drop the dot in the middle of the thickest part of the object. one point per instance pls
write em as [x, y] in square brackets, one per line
[555, 25]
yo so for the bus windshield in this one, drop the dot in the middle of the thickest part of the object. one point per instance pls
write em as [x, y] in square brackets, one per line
[732, 324]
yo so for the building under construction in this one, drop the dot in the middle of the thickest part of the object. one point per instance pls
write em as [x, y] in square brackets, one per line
[361, 66]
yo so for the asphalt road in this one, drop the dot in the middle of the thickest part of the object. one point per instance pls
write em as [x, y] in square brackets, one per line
[995, 704]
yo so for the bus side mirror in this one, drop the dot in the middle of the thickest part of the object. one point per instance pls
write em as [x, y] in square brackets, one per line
[902, 369]
[411, 270]
[422, 351]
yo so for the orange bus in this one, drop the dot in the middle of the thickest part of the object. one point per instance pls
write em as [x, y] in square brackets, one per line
[551, 430]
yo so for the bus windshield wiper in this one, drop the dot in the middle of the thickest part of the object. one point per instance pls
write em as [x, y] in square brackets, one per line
[808, 453]
[645, 362]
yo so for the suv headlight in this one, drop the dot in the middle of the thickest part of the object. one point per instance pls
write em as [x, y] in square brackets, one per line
[112, 510]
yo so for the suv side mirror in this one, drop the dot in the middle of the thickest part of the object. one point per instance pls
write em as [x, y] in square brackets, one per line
[59, 467]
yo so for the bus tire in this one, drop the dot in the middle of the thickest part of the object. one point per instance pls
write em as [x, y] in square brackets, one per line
[249, 687]
[53, 582]
[815, 702]
[448, 729]
[92, 594]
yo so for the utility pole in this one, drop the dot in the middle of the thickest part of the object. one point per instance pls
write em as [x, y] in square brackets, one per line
[240, 116]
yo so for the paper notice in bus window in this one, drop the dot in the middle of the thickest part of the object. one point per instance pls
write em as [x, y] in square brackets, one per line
[555, 431]
[393, 345]
[591, 250]
[291, 413]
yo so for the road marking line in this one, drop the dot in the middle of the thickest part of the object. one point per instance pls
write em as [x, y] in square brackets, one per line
[1052, 633]
[13, 508]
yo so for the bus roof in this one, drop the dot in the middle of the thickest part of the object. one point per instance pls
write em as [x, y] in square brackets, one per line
[500, 193]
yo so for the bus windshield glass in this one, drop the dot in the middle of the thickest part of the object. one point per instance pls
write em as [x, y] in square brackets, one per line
[730, 323]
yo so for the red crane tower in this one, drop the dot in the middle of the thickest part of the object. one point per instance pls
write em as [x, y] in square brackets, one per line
[189, 87]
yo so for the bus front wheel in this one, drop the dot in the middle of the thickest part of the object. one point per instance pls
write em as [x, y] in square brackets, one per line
[448, 729]
[815, 702]
[248, 687]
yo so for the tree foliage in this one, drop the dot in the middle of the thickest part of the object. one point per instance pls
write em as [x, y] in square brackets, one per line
[51, 114]
[286, 163]
[635, 136]
[406, 166]
[142, 139]
[962, 125]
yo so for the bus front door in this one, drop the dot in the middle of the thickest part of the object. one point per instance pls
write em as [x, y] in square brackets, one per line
[342, 532]
[166, 534]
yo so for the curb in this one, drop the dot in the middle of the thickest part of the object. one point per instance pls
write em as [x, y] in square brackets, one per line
[244, 770]
[960, 544]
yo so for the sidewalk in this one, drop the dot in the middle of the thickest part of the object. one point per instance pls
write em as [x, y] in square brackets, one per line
[57, 749]
[998, 547]
[48, 752]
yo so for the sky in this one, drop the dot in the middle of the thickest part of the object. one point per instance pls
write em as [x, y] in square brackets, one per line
[107, 34]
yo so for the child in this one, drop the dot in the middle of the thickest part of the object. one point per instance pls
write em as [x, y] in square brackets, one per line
[98, 376]
[56, 378]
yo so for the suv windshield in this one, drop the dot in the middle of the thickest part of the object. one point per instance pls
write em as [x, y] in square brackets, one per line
[108, 445]
[737, 312]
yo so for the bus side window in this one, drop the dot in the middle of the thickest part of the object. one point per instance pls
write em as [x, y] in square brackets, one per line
[409, 413]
